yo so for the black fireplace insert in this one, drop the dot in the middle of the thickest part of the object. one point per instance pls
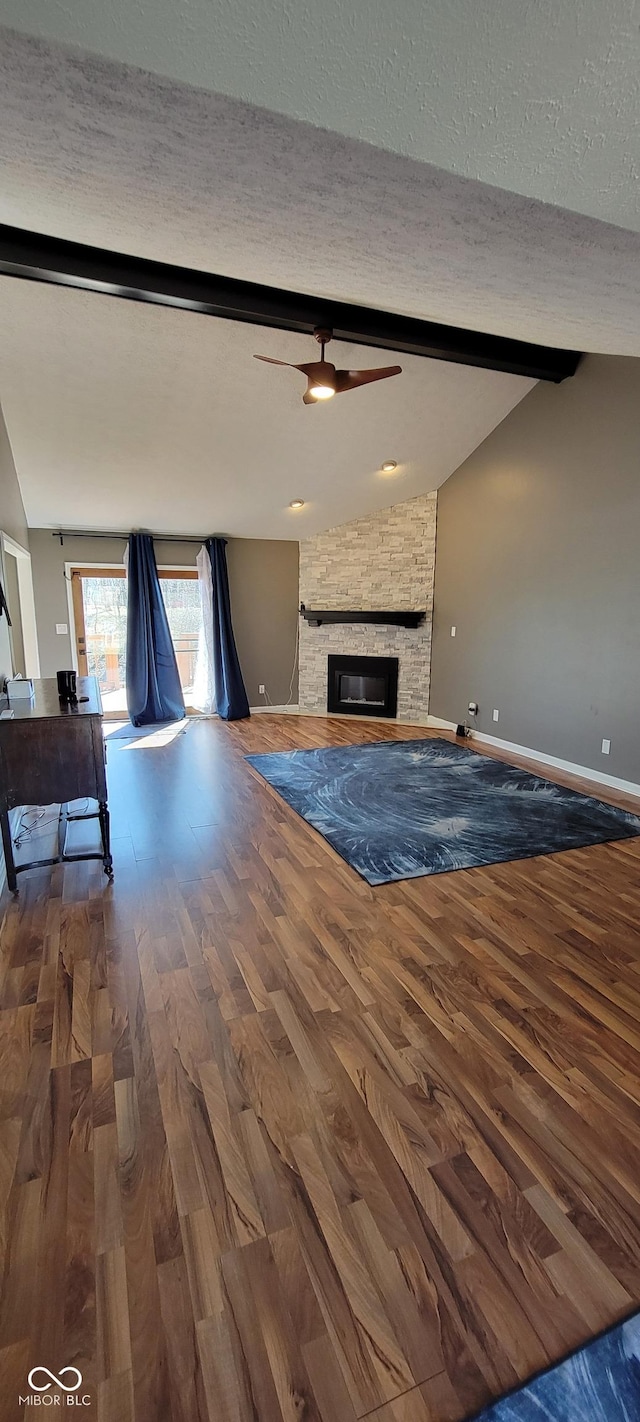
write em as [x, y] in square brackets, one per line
[363, 686]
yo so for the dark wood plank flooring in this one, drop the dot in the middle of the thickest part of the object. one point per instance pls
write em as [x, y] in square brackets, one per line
[279, 1147]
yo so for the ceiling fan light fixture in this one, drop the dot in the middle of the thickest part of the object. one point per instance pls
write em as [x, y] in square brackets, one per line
[389, 466]
[296, 504]
[323, 380]
[321, 392]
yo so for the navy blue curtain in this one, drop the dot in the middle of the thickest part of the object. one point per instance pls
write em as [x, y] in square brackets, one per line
[153, 686]
[231, 697]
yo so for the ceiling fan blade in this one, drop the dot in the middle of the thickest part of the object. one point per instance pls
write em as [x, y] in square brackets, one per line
[272, 361]
[318, 370]
[351, 379]
[313, 369]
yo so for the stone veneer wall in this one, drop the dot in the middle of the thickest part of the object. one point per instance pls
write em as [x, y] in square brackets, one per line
[384, 561]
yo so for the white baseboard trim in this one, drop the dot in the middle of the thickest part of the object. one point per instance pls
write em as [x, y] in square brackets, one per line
[585, 772]
[440, 725]
[279, 710]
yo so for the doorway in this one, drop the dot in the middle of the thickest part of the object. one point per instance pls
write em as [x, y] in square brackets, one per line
[99, 600]
[19, 641]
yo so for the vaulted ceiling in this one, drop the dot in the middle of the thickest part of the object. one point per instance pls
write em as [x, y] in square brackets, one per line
[174, 161]
[124, 415]
[102, 153]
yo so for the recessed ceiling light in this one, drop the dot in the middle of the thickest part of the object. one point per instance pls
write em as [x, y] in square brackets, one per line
[389, 466]
[296, 504]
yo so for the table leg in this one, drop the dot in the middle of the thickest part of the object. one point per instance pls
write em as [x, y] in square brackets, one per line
[62, 829]
[7, 844]
[105, 831]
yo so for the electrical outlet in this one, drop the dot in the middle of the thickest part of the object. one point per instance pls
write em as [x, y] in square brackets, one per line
[496, 715]
[606, 747]
[261, 690]
[453, 631]
[62, 629]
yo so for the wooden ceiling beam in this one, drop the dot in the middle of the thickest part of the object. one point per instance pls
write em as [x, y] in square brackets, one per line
[34, 256]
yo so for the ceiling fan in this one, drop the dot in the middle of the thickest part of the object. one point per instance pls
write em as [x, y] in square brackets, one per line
[323, 380]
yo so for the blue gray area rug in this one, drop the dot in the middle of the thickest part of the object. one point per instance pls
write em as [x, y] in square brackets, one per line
[600, 1383]
[402, 809]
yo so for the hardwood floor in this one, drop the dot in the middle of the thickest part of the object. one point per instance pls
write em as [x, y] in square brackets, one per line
[278, 1146]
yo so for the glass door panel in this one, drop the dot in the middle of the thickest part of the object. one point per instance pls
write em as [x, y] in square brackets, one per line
[100, 611]
[100, 616]
[182, 601]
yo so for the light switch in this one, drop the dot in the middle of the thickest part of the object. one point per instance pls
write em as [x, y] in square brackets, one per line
[62, 629]
[453, 631]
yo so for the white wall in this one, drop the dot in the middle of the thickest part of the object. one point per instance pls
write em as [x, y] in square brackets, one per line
[13, 522]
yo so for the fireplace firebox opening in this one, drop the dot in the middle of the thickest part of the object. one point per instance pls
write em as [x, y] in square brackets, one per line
[363, 686]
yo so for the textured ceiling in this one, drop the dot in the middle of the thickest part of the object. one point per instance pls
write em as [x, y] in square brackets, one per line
[123, 415]
[534, 96]
[100, 153]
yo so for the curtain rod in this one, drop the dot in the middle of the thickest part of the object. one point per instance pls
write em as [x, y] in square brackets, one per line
[63, 533]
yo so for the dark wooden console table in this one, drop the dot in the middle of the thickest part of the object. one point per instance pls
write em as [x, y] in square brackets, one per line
[53, 754]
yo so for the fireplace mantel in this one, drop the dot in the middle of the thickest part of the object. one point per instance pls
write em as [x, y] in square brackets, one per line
[402, 618]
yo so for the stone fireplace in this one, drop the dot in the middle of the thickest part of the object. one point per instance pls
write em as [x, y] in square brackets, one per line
[383, 561]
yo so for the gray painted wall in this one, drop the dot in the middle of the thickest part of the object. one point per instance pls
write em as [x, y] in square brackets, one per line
[263, 580]
[12, 515]
[538, 568]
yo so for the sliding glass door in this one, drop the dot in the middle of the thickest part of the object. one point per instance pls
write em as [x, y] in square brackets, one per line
[100, 622]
